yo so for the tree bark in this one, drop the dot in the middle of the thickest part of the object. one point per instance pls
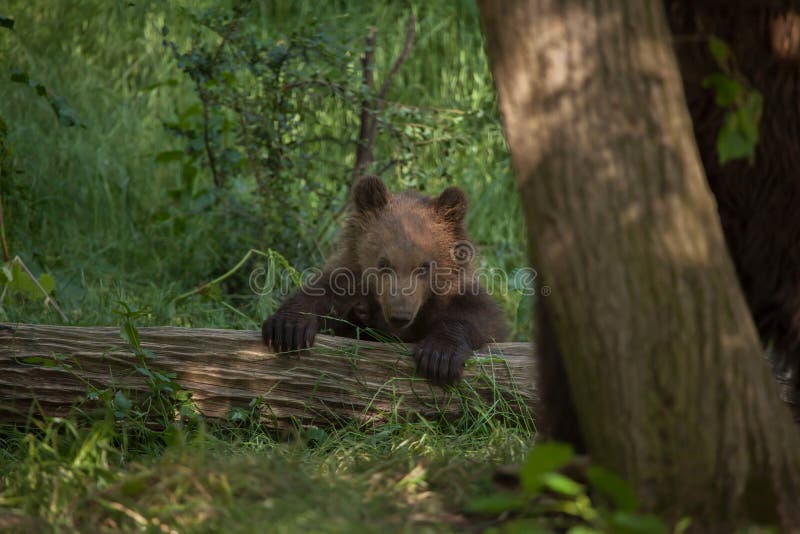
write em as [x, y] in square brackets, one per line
[662, 360]
[339, 380]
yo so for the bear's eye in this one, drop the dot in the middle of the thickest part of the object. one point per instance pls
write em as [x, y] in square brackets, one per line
[383, 263]
[425, 268]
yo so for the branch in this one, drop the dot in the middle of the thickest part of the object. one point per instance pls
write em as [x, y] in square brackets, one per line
[365, 142]
[340, 379]
[212, 162]
[371, 108]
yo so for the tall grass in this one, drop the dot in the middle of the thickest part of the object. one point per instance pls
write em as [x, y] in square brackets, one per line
[87, 204]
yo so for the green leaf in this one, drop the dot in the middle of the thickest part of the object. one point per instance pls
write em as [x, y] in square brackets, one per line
[720, 50]
[682, 525]
[727, 91]
[22, 282]
[562, 484]
[496, 504]
[614, 487]
[735, 139]
[47, 282]
[169, 156]
[130, 334]
[543, 459]
[122, 404]
[144, 371]
[625, 523]
[39, 361]
[6, 22]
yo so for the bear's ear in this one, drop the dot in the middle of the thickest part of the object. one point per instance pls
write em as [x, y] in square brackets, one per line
[452, 205]
[369, 193]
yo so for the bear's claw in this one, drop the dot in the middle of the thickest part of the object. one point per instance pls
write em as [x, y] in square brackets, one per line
[290, 331]
[441, 361]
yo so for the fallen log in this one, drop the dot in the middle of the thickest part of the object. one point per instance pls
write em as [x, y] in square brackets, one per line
[47, 369]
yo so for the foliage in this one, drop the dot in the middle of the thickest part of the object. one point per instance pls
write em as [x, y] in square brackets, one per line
[18, 282]
[125, 217]
[255, 127]
[738, 136]
[548, 499]
[15, 277]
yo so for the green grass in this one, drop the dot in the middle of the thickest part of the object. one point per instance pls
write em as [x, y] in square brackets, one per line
[409, 475]
[84, 205]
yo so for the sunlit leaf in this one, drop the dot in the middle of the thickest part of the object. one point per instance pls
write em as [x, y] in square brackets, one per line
[39, 361]
[561, 484]
[47, 282]
[542, 459]
[22, 282]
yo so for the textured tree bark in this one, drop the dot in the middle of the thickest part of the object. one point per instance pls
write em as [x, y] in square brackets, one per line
[661, 356]
[339, 380]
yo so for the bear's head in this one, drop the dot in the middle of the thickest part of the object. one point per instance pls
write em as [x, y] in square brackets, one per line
[408, 247]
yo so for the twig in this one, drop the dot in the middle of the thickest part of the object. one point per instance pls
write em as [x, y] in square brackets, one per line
[370, 108]
[47, 298]
[365, 143]
[212, 162]
[270, 255]
[219, 180]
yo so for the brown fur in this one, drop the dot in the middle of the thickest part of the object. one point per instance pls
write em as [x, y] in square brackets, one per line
[398, 242]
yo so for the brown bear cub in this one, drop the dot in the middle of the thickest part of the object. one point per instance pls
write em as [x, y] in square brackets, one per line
[404, 268]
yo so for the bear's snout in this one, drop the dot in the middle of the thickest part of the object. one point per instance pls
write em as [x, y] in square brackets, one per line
[400, 311]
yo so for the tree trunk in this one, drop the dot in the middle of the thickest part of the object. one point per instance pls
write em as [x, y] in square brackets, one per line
[50, 368]
[662, 359]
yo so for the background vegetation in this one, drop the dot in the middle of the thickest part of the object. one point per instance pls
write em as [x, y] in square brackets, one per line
[115, 201]
[115, 210]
